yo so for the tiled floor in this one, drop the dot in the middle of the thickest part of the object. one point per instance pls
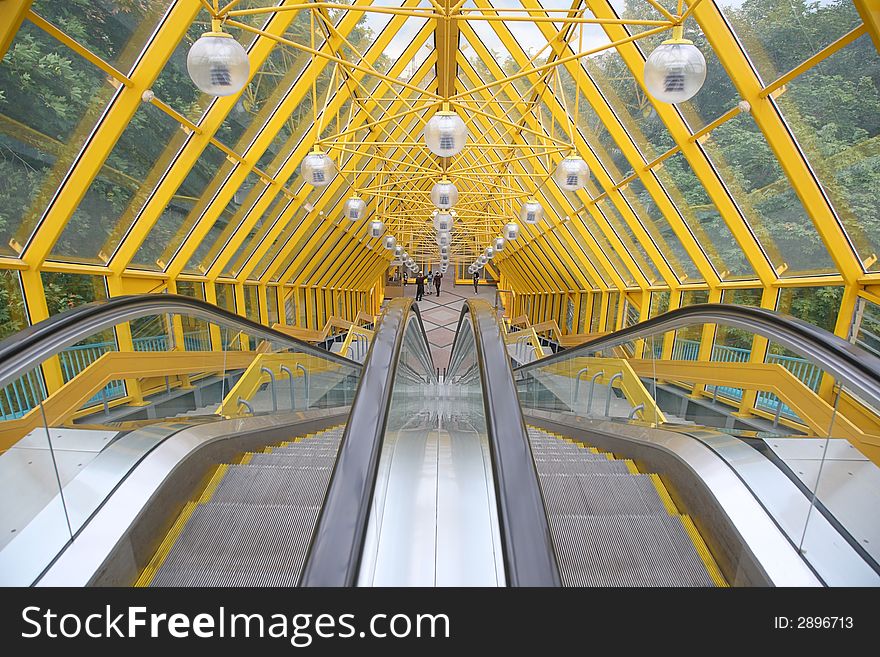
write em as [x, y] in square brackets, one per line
[440, 316]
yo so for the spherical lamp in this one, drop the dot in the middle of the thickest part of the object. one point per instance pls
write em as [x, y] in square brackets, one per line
[499, 244]
[398, 250]
[511, 231]
[376, 228]
[571, 174]
[531, 212]
[390, 243]
[218, 64]
[676, 70]
[444, 194]
[443, 221]
[444, 238]
[489, 253]
[354, 208]
[318, 169]
[445, 134]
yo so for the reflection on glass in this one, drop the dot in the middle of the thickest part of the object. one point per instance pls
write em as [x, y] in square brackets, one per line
[763, 193]
[51, 101]
[184, 209]
[833, 110]
[130, 174]
[702, 217]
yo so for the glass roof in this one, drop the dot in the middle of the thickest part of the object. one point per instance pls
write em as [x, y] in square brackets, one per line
[113, 161]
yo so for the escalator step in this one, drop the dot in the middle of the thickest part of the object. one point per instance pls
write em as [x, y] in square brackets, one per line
[581, 466]
[626, 550]
[579, 495]
[250, 484]
[240, 545]
[305, 460]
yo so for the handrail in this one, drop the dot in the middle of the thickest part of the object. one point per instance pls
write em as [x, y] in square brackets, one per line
[848, 363]
[334, 555]
[31, 346]
[529, 559]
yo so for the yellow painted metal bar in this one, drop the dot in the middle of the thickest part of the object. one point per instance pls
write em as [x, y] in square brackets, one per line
[11, 18]
[869, 10]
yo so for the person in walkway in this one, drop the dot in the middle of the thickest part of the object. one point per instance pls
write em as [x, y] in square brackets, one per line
[420, 285]
[430, 279]
[405, 279]
[476, 281]
[437, 278]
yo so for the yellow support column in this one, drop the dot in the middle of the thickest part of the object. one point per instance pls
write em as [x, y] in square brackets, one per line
[38, 310]
[124, 341]
[707, 342]
[12, 13]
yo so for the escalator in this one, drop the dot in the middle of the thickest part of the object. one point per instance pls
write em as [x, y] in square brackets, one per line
[313, 470]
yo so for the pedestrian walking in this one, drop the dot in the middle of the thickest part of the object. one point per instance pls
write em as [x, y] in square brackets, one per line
[437, 278]
[476, 281]
[420, 286]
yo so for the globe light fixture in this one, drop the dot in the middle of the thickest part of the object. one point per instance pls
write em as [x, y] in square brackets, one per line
[317, 168]
[376, 228]
[572, 174]
[354, 208]
[531, 212]
[217, 63]
[398, 250]
[444, 250]
[445, 133]
[676, 70]
[482, 260]
[499, 244]
[390, 243]
[489, 253]
[443, 221]
[444, 238]
[444, 194]
[511, 231]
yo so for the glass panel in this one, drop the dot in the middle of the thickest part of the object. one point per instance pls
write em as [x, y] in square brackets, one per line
[255, 236]
[817, 305]
[834, 111]
[54, 476]
[271, 305]
[252, 302]
[224, 226]
[629, 241]
[661, 232]
[659, 303]
[130, 174]
[115, 31]
[13, 314]
[630, 103]
[757, 183]
[225, 296]
[780, 35]
[186, 206]
[50, 102]
[702, 217]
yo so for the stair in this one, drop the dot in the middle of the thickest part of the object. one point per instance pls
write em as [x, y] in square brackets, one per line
[612, 525]
[252, 524]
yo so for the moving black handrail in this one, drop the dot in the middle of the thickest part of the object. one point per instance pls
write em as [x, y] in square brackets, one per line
[31, 346]
[336, 548]
[848, 363]
[529, 558]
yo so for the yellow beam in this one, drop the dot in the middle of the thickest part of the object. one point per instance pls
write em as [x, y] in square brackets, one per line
[869, 10]
[11, 18]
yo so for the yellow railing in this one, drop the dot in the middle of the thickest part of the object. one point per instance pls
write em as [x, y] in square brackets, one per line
[815, 412]
[65, 403]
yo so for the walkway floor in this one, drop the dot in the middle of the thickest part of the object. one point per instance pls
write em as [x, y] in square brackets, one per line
[440, 315]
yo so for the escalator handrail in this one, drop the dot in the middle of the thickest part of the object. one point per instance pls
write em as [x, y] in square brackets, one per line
[31, 346]
[847, 362]
[334, 555]
[529, 558]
